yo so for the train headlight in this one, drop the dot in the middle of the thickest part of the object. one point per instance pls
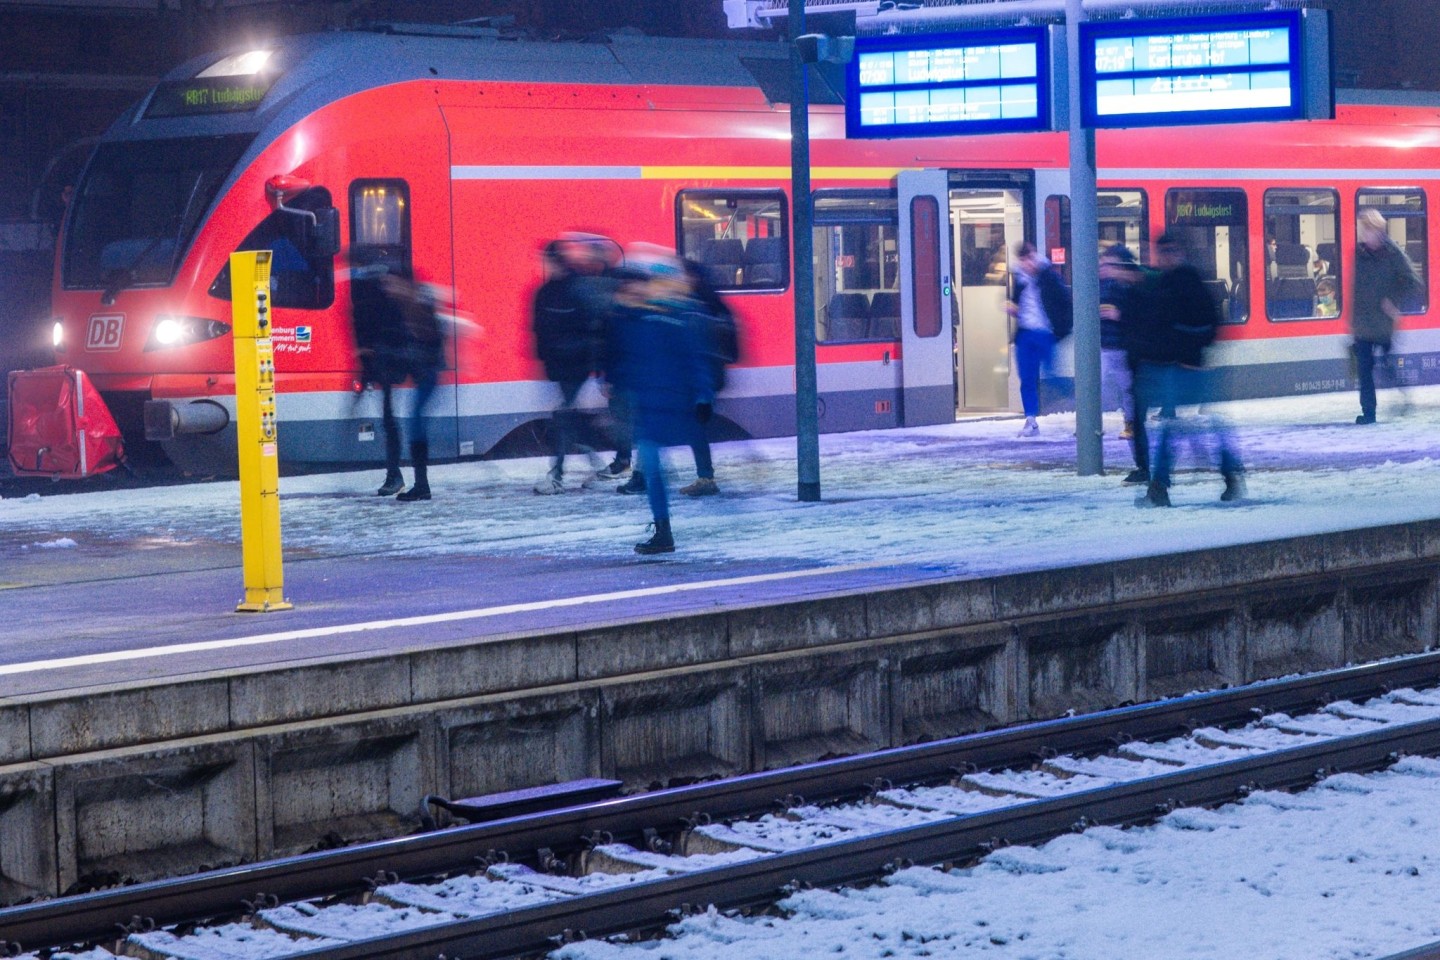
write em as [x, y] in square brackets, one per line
[57, 335]
[174, 331]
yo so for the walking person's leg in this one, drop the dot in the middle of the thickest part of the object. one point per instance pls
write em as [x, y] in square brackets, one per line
[393, 482]
[419, 439]
[704, 485]
[648, 460]
[1365, 377]
[1029, 353]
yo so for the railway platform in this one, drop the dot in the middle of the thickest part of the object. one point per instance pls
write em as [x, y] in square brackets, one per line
[953, 579]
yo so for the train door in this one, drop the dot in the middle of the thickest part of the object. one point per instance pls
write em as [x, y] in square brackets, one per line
[926, 298]
[987, 223]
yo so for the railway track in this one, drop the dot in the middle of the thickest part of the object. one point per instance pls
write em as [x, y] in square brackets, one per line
[521, 885]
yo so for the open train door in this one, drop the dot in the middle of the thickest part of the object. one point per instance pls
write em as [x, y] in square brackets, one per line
[926, 334]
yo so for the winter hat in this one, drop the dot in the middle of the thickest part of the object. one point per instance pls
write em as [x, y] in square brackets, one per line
[1121, 254]
[654, 261]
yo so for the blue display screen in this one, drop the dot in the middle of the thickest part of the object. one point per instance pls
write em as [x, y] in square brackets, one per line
[933, 84]
[1224, 69]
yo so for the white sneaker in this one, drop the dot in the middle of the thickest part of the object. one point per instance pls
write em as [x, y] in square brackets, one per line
[1031, 428]
[551, 484]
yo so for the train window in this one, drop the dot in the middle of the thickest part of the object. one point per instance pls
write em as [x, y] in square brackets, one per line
[1404, 213]
[737, 236]
[1302, 271]
[297, 281]
[857, 266]
[1124, 217]
[925, 271]
[380, 224]
[1214, 225]
[139, 204]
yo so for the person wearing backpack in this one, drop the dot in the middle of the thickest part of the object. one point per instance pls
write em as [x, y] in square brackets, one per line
[1177, 320]
[1041, 307]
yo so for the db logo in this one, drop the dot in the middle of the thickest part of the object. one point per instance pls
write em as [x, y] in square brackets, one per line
[104, 332]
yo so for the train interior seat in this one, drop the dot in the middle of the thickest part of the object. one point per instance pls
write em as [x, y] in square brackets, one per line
[722, 260]
[885, 315]
[847, 317]
[765, 262]
[1292, 293]
[1328, 253]
[1219, 292]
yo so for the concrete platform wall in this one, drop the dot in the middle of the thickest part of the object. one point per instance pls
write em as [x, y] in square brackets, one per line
[152, 780]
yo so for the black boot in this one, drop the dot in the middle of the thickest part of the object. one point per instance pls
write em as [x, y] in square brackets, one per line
[394, 483]
[420, 489]
[1156, 495]
[660, 542]
[636, 483]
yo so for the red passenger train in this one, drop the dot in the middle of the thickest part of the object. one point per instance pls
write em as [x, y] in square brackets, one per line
[455, 158]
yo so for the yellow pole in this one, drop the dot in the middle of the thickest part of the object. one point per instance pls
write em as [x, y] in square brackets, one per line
[255, 429]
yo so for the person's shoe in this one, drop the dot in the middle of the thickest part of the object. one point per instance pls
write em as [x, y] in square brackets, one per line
[550, 485]
[636, 484]
[615, 471]
[1234, 488]
[1128, 431]
[660, 541]
[1154, 496]
[702, 487]
[1031, 428]
[417, 492]
[393, 484]
[1137, 476]
[1365, 418]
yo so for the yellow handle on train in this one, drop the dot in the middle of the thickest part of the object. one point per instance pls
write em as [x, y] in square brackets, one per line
[256, 432]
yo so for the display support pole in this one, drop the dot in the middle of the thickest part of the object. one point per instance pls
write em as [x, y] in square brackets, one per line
[1084, 265]
[807, 427]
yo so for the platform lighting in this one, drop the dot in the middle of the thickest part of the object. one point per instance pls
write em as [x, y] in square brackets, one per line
[57, 335]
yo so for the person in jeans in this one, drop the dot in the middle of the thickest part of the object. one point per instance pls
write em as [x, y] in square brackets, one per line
[1176, 320]
[1383, 278]
[1041, 308]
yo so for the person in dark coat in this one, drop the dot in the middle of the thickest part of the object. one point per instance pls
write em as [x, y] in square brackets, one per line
[381, 343]
[1042, 308]
[1120, 275]
[662, 361]
[1176, 320]
[1384, 277]
[568, 327]
[424, 358]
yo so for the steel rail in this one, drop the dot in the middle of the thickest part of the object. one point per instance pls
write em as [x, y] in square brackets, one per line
[649, 904]
[98, 915]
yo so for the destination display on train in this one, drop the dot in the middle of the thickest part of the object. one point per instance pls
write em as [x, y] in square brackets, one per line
[934, 84]
[202, 95]
[1204, 70]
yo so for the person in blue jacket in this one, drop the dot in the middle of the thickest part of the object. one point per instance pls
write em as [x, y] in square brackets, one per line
[663, 363]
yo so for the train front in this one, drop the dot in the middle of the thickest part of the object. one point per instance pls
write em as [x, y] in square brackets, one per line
[141, 293]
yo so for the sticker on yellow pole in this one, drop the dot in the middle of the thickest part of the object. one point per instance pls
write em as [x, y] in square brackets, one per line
[255, 429]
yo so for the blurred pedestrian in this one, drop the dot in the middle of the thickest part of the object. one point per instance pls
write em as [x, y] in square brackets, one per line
[664, 362]
[568, 319]
[424, 359]
[380, 344]
[1384, 278]
[1040, 303]
[1176, 321]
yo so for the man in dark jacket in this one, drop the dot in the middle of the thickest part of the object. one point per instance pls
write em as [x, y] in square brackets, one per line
[1042, 310]
[1383, 279]
[1175, 321]
[568, 323]
[1120, 275]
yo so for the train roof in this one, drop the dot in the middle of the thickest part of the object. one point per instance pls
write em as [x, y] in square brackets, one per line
[312, 70]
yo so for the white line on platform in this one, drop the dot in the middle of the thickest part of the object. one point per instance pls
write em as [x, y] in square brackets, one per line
[117, 656]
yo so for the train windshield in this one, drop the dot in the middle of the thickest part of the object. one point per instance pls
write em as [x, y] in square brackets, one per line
[139, 206]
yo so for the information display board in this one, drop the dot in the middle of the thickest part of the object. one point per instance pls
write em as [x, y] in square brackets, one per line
[1222, 69]
[922, 85]
[184, 98]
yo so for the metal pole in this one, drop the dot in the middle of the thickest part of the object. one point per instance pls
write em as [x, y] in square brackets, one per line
[1084, 266]
[807, 429]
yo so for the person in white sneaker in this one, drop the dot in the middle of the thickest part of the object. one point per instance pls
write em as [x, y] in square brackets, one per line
[1041, 306]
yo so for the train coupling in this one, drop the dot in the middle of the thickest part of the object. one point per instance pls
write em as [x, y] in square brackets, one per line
[166, 420]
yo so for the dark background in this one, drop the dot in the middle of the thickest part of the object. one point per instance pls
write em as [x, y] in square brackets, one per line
[69, 67]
